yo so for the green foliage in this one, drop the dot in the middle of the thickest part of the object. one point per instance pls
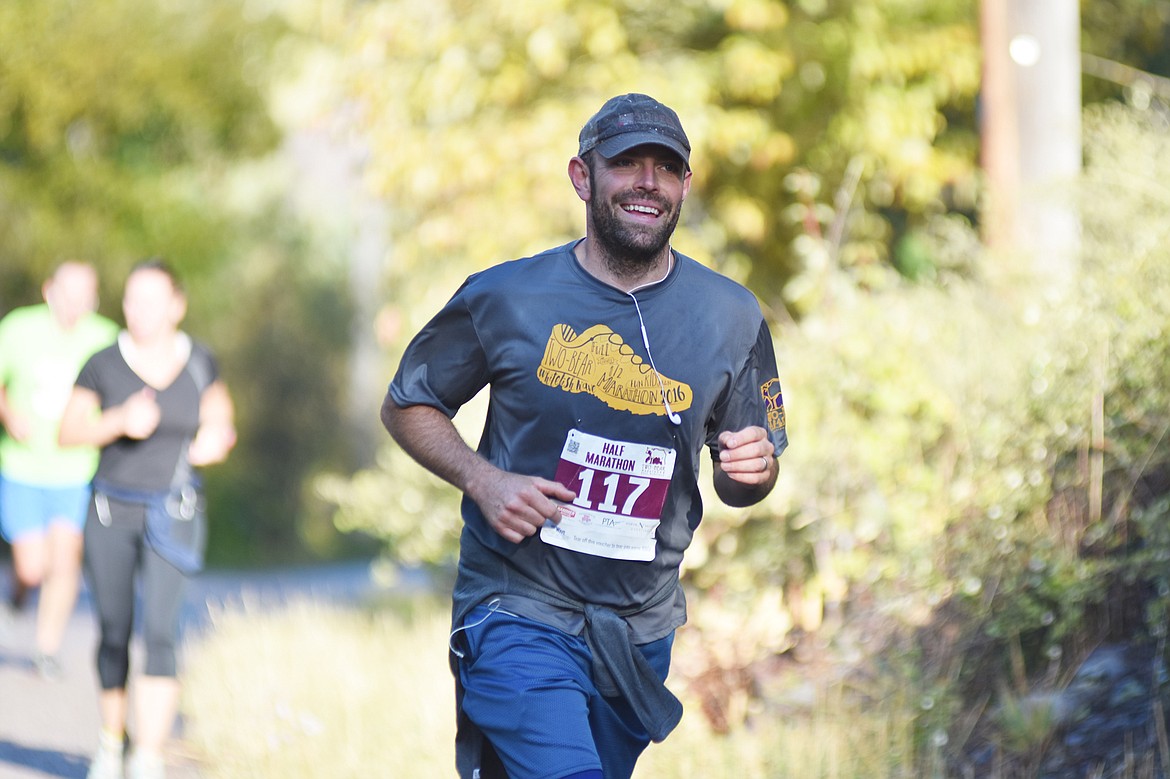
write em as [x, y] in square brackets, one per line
[415, 515]
[286, 377]
[473, 109]
[114, 120]
[137, 127]
[1071, 551]
[417, 518]
[1132, 32]
[1027, 725]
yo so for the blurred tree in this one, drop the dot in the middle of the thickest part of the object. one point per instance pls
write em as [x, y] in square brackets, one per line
[137, 127]
[1132, 32]
[473, 109]
[115, 121]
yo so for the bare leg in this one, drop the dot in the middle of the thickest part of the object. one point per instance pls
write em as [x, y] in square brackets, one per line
[156, 704]
[28, 565]
[112, 708]
[59, 585]
[107, 761]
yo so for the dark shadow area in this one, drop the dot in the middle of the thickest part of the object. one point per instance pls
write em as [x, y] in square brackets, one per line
[47, 761]
[19, 660]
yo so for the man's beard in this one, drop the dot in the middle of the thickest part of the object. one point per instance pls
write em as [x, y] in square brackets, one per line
[629, 249]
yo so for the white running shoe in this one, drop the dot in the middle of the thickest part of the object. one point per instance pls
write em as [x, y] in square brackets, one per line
[146, 765]
[49, 667]
[107, 763]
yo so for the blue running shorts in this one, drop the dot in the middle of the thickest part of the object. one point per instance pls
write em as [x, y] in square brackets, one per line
[529, 688]
[29, 509]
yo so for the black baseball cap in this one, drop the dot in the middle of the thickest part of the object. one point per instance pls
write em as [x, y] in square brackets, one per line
[632, 120]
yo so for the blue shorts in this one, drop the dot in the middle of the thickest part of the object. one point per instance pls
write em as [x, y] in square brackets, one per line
[29, 509]
[530, 689]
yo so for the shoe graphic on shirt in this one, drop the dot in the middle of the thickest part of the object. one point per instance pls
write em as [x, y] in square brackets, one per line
[598, 362]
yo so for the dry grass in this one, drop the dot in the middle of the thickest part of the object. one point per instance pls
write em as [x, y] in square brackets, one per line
[315, 691]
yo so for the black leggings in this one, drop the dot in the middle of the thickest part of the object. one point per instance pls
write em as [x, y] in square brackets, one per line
[114, 553]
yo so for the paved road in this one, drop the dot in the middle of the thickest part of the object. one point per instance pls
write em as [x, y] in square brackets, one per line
[49, 729]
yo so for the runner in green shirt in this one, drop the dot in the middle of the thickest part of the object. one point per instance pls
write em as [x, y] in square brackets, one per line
[44, 488]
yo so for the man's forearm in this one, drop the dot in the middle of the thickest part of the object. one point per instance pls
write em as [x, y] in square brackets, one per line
[739, 495]
[430, 437]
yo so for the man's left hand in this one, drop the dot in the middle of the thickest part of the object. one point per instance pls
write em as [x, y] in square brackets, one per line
[747, 456]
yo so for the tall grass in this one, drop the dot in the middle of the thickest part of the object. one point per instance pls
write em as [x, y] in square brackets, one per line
[316, 691]
[312, 691]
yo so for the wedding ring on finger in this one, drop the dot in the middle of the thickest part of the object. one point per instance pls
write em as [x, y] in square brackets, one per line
[764, 460]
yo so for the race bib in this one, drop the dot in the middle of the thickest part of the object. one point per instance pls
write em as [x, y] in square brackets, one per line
[621, 488]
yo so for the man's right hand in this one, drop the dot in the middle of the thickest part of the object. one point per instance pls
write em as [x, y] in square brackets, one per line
[517, 506]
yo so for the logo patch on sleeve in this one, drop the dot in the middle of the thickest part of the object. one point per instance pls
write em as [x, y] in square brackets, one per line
[773, 403]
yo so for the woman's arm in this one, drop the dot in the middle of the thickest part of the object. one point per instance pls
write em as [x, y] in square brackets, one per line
[217, 428]
[84, 424]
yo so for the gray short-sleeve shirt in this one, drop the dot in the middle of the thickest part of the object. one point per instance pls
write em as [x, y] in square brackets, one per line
[562, 351]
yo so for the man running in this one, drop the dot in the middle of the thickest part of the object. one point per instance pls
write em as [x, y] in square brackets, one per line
[612, 361]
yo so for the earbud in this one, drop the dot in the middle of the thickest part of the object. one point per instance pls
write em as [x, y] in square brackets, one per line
[671, 414]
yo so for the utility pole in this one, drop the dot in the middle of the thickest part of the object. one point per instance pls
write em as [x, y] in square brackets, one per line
[998, 133]
[1032, 131]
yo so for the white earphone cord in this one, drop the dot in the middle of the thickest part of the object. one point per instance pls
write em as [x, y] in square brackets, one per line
[670, 414]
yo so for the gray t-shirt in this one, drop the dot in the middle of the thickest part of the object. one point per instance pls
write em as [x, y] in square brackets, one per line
[573, 397]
